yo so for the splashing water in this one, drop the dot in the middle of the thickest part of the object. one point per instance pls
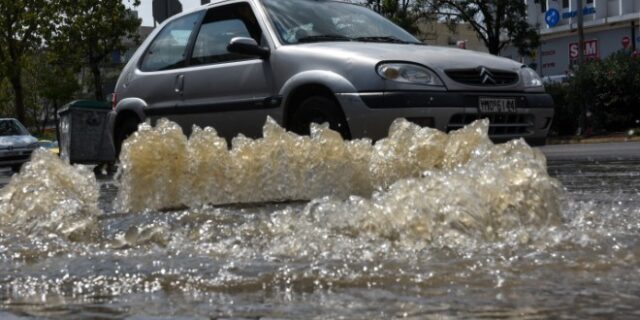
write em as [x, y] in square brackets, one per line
[465, 175]
[162, 169]
[416, 185]
[49, 196]
[421, 224]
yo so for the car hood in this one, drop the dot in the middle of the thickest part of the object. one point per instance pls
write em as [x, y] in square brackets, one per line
[436, 57]
[21, 141]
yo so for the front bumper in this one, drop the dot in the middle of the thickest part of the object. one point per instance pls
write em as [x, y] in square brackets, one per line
[14, 157]
[371, 114]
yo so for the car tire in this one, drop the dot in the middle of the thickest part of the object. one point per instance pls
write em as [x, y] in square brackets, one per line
[123, 130]
[318, 109]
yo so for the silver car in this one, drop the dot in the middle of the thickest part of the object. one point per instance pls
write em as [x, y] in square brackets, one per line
[16, 144]
[232, 63]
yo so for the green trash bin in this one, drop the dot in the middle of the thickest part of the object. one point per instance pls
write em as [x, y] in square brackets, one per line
[83, 132]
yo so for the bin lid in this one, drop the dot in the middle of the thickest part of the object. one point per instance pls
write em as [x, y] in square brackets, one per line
[86, 104]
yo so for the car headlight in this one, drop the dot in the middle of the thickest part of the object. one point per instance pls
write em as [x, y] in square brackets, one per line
[531, 78]
[408, 73]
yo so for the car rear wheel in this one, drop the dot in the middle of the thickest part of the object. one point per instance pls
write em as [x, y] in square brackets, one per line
[318, 109]
[123, 130]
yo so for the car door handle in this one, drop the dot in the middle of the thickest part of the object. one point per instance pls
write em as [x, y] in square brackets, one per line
[179, 84]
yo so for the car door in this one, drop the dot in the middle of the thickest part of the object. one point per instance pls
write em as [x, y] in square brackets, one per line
[231, 92]
[160, 73]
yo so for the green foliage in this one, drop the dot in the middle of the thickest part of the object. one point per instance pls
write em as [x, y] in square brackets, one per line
[24, 27]
[565, 121]
[497, 23]
[610, 89]
[404, 13]
[92, 30]
[45, 43]
[46, 86]
[6, 99]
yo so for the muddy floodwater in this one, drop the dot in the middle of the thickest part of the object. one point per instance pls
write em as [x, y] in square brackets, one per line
[421, 225]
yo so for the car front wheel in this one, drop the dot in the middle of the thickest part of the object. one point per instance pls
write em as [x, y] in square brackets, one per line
[318, 109]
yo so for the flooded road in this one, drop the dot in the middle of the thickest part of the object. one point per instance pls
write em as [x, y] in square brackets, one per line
[477, 238]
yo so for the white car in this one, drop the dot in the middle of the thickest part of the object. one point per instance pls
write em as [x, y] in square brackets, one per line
[16, 144]
[231, 64]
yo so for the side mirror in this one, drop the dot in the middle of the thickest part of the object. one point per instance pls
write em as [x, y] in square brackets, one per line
[248, 46]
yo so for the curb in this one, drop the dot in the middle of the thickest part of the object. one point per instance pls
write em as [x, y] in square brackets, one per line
[593, 140]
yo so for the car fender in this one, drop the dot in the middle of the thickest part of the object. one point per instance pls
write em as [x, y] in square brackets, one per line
[333, 81]
[136, 105]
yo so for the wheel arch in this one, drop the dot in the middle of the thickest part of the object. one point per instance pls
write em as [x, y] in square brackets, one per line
[130, 107]
[308, 83]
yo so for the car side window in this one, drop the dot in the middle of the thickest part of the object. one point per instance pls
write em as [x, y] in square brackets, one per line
[169, 49]
[219, 26]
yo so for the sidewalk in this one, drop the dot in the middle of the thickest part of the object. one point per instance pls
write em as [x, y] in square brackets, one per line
[605, 138]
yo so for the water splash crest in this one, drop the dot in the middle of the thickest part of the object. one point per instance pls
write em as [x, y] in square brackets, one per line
[50, 196]
[416, 181]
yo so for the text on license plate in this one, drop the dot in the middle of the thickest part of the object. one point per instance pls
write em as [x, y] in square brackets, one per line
[497, 105]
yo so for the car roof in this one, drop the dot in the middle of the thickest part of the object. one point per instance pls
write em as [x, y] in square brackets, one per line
[216, 2]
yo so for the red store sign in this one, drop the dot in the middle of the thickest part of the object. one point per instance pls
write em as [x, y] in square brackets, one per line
[590, 50]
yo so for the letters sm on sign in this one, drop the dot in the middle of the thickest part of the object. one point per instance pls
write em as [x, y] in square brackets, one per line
[590, 50]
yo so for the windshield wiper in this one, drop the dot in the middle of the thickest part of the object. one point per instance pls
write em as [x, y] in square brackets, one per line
[324, 37]
[383, 39]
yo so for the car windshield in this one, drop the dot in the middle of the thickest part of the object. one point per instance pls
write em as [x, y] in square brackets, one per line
[305, 21]
[11, 128]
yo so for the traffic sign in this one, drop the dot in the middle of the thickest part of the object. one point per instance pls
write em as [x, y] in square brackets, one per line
[552, 17]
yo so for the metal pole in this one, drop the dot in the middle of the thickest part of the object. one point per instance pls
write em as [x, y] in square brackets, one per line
[580, 14]
[582, 121]
[633, 35]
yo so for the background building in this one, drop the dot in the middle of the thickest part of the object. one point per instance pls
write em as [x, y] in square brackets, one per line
[439, 34]
[609, 26]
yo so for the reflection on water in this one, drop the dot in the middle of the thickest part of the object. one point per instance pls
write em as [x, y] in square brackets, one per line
[485, 234]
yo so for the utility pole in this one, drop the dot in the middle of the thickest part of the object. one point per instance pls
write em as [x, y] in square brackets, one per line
[580, 14]
[633, 36]
[582, 121]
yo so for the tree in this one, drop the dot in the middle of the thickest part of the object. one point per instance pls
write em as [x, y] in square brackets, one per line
[497, 23]
[24, 26]
[94, 29]
[55, 82]
[48, 81]
[405, 13]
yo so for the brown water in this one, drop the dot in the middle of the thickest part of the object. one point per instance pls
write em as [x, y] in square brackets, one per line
[420, 225]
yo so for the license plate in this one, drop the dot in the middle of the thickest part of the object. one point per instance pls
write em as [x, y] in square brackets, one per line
[497, 105]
